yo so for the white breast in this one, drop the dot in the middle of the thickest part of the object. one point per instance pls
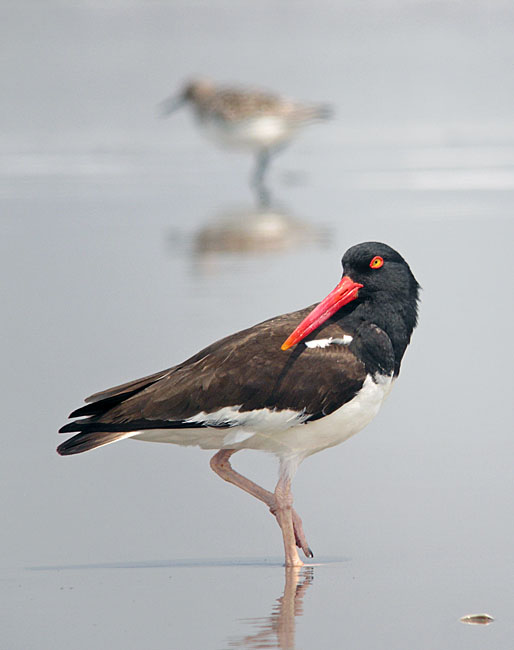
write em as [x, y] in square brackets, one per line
[343, 423]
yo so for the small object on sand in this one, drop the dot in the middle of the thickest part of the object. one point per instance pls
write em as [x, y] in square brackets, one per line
[477, 619]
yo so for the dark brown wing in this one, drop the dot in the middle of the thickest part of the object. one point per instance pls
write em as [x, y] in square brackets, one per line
[247, 370]
[129, 387]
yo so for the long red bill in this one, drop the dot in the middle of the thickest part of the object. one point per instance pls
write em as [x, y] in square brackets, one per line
[346, 291]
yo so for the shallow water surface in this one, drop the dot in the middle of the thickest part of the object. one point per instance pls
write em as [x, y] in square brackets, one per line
[254, 604]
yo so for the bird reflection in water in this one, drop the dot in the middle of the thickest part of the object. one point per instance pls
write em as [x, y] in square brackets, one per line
[247, 231]
[278, 630]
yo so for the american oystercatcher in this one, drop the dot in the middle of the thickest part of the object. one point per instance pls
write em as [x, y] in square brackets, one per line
[246, 119]
[292, 385]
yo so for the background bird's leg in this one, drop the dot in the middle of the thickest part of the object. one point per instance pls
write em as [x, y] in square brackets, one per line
[257, 182]
[284, 515]
[220, 463]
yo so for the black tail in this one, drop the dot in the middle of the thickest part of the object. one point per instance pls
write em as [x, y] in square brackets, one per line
[88, 440]
[90, 432]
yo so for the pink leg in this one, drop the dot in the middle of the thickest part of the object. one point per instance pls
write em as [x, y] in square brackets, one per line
[299, 534]
[220, 463]
[284, 515]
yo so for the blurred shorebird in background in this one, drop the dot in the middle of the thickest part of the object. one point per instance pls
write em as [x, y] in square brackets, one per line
[246, 119]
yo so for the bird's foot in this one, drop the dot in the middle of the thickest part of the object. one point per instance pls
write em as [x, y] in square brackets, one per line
[299, 534]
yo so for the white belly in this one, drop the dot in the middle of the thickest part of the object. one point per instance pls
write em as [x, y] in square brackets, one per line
[283, 433]
[256, 133]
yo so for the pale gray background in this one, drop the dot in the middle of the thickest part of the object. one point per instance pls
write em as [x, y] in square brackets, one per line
[102, 207]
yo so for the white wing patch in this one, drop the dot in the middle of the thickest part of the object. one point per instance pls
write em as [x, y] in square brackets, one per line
[226, 415]
[324, 343]
[256, 421]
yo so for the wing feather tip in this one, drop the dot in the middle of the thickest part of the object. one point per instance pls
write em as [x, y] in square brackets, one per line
[88, 440]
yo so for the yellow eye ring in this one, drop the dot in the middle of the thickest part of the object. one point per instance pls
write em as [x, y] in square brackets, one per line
[376, 262]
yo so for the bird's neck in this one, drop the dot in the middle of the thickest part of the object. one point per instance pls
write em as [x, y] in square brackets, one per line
[396, 317]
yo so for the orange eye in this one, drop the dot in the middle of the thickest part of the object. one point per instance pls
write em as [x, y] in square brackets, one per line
[376, 262]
